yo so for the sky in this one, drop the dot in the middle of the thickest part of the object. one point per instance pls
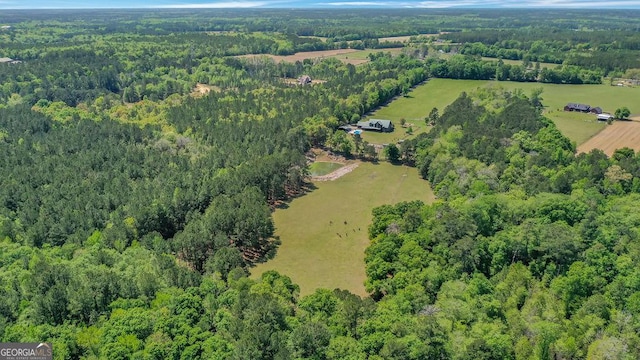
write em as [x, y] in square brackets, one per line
[193, 4]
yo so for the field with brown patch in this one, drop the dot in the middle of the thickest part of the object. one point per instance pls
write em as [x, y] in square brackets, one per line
[203, 89]
[302, 55]
[615, 136]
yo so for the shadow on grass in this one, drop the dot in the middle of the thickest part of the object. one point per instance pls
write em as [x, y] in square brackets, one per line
[304, 190]
[265, 253]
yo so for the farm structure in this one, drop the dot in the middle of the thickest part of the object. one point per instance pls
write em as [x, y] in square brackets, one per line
[376, 125]
[304, 80]
[582, 108]
[604, 117]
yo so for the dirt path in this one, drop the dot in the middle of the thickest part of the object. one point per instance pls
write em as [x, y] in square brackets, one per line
[337, 173]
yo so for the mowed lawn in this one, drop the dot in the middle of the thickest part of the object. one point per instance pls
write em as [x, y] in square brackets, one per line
[324, 233]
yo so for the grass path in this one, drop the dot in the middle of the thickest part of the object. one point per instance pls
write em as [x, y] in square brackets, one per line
[318, 249]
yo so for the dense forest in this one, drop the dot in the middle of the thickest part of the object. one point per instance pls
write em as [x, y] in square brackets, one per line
[131, 209]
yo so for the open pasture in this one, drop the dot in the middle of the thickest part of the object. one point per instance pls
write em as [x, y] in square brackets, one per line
[416, 105]
[302, 55]
[350, 56]
[362, 56]
[578, 127]
[324, 233]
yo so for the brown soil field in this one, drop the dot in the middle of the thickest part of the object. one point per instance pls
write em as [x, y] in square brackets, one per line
[303, 55]
[615, 136]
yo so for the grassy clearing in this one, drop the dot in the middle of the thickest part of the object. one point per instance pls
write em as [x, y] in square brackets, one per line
[580, 127]
[441, 92]
[364, 54]
[416, 106]
[320, 168]
[312, 253]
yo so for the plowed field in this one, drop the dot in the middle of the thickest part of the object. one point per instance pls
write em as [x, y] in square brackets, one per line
[618, 135]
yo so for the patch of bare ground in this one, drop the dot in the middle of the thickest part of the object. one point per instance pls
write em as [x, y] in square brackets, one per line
[301, 55]
[615, 136]
[321, 155]
[336, 174]
[203, 89]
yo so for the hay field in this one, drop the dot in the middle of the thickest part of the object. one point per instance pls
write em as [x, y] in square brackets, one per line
[324, 233]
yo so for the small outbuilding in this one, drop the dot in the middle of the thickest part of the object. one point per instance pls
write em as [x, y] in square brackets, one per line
[596, 110]
[376, 125]
[604, 117]
[304, 80]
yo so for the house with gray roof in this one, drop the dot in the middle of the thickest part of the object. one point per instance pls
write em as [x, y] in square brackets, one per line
[376, 125]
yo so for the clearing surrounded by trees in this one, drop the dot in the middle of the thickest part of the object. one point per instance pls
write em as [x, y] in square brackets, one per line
[324, 233]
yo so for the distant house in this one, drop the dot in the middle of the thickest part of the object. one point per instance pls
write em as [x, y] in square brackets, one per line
[304, 80]
[577, 107]
[376, 125]
[5, 27]
[596, 110]
[6, 60]
[604, 117]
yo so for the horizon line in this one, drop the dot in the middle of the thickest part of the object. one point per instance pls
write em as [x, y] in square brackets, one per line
[335, 7]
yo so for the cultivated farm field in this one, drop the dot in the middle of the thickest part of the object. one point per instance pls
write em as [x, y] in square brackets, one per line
[324, 233]
[615, 136]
